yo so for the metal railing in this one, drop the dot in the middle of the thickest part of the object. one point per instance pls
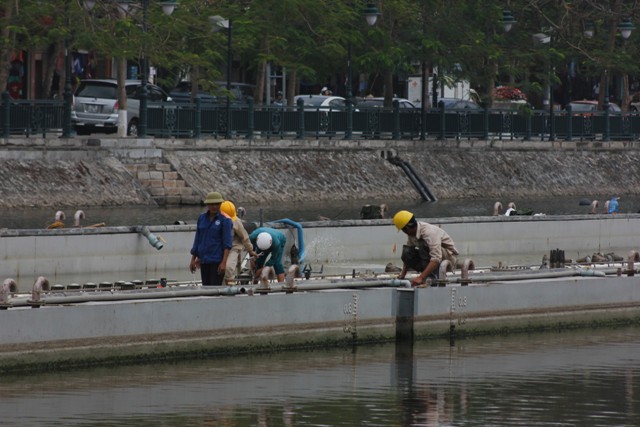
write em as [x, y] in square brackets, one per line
[31, 117]
[197, 120]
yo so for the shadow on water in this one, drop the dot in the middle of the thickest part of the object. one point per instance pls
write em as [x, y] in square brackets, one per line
[308, 211]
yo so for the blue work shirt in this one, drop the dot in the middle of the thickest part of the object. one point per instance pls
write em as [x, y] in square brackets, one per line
[613, 206]
[279, 240]
[213, 236]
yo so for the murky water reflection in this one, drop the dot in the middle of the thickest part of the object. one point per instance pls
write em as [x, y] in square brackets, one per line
[305, 211]
[579, 378]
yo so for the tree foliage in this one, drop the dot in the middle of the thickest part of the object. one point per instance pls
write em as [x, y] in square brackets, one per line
[310, 38]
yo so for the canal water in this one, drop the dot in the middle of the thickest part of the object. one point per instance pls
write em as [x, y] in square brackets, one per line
[571, 378]
[307, 211]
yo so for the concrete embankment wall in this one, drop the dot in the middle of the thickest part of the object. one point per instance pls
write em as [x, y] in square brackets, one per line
[75, 172]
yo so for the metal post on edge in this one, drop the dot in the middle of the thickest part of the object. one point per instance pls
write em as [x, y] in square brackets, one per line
[443, 125]
[349, 100]
[66, 118]
[569, 123]
[349, 111]
[6, 114]
[250, 118]
[423, 104]
[229, 68]
[396, 119]
[300, 113]
[198, 117]
[552, 116]
[607, 122]
[142, 125]
[485, 121]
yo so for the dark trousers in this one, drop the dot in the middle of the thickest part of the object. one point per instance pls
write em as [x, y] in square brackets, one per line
[417, 258]
[210, 275]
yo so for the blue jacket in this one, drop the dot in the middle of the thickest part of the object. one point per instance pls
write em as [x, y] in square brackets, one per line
[212, 238]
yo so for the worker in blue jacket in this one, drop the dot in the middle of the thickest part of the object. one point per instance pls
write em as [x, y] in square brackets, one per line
[269, 244]
[212, 242]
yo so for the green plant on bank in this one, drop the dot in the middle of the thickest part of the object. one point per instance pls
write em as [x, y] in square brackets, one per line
[525, 110]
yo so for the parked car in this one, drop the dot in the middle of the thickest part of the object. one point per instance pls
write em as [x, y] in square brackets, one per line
[240, 92]
[634, 105]
[182, 93]
[586, 107]
[321, 102]
[378, 102]
[459, 104]
[95, 105]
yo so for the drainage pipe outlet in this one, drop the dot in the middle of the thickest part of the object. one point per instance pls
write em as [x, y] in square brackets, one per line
[152, 238]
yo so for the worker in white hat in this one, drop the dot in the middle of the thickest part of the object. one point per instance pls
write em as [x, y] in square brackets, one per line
[269, 244]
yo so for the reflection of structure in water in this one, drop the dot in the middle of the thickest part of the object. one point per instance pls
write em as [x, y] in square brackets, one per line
[373, 212]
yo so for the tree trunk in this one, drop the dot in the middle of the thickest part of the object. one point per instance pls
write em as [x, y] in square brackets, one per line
[490, 85]
[6, 49]
[260, 83]
[425, 99]
[611, 43]
[50, 68]
[626, 98]
[122, 98]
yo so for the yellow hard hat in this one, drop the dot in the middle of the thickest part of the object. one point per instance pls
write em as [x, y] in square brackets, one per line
[402, 218]
[229, 208]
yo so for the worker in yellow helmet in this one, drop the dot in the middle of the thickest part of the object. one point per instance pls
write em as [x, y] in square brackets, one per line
[240, 240]
[427, 246]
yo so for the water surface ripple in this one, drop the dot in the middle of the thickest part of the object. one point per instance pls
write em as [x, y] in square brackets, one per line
[578, 378]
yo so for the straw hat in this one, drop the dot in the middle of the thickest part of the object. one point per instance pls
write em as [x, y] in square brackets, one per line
[213, 198]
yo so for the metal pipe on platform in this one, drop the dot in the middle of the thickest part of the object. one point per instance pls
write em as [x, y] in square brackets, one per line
[466, 266]
[344, 284]
[40, 285]
[445, 266]
[634, 256]
[537, 274]
[153, 293]
[152, 238]
[199, 291]
[8, 286]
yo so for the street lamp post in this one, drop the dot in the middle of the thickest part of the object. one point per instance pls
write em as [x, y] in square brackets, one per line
[543, 39]
[168, 7]
[217, 22]
[66, 129]
[229, 68]
[371, 14]
[142, 126]
[625, 27]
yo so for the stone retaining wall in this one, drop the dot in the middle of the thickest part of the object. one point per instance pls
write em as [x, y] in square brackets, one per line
[115, 172]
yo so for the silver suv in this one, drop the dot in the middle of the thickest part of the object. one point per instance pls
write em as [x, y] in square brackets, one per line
[95, 105]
